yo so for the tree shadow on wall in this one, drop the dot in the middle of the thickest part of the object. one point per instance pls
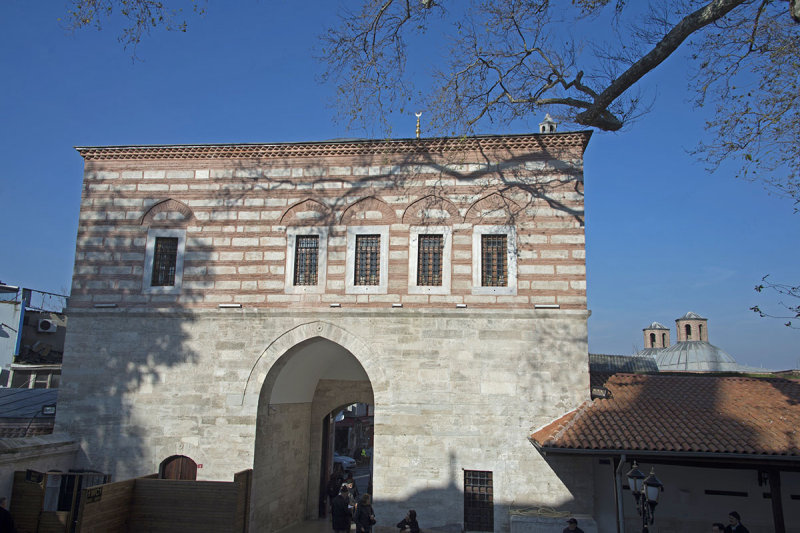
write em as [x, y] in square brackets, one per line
[129, 389]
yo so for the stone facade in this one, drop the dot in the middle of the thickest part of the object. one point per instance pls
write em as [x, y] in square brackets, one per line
[236, 366]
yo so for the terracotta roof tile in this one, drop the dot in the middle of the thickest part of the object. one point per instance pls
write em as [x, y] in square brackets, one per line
[692, 413]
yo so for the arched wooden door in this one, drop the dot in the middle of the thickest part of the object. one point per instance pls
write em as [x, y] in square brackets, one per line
[178, 467]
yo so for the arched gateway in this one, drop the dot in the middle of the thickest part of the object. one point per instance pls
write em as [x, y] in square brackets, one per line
[300, 386]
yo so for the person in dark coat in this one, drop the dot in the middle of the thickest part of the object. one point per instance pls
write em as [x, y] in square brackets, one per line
[365, 516]
[572, 527]
[735, 524]
[6, 522]
[410, 522]
[332, 490]
[340, 512]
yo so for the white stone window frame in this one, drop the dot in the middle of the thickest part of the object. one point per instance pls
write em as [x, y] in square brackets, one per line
[322, 260]
[413, 255]
[350, 264]
[147, 278]
[511, 256]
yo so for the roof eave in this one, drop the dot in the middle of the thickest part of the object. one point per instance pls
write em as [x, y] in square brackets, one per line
[554, 450]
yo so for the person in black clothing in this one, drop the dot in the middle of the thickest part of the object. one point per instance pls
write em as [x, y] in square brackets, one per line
[340, 512]
[365, 516]
[410, 522]
[572, 527]
[351, 486]
[332, 490]
[717, 527]
[6, 521]
[735, 524]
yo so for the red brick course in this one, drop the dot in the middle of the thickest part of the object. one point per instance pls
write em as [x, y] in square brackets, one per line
[236, 201]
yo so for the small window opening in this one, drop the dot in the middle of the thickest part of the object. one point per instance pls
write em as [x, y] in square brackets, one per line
[478, 501]
[306, 259]
[164, 260]
[688, 329]
[494, 263]
[367, 264]
[429, 261]
[652, 340]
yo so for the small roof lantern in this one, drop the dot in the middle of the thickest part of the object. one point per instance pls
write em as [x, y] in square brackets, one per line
[548, 125]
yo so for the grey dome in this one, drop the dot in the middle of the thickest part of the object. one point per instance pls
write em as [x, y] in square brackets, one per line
[649, 352]
[656, 325]
[696, 356]
[691, 315]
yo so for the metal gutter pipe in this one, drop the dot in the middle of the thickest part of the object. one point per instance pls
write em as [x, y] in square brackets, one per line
[618, 494]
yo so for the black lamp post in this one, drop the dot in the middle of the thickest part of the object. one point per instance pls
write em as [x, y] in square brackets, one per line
[646, 490]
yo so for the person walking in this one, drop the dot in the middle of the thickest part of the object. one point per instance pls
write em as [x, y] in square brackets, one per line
[735, 524]
[365, 516]
[340, 512]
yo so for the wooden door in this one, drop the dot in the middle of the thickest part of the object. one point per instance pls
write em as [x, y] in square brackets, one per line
[179, 467]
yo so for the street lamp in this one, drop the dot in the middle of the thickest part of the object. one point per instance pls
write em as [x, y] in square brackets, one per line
[646, 490]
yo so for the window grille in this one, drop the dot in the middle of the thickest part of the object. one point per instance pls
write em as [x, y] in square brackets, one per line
[368, 255]
[494, 263]
[478, 501]
[429, 260]
[164, 261]
[306, 256]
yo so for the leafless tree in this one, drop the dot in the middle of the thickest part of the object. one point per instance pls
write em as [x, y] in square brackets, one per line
[513, 59]
[783, 289]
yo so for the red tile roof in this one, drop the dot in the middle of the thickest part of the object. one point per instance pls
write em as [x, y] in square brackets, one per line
[684, 414]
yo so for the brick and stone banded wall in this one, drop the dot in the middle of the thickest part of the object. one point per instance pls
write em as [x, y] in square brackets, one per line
[236, 213]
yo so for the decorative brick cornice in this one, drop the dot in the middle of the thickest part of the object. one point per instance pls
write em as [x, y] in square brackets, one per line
[530, 142]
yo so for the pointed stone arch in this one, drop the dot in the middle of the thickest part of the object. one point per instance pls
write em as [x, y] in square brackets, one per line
[308, 212]
[169, 213]
[495, 208]
[432, 210]
[368, 211]
[288, 443]
[265, 366]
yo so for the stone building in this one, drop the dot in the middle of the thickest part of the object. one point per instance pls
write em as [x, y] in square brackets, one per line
[227, 299]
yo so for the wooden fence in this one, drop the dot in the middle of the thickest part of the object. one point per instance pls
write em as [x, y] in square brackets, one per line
[142, 504]
[164, 505]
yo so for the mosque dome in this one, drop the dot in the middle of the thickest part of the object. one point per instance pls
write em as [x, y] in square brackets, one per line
[696, 356]
[692, 352]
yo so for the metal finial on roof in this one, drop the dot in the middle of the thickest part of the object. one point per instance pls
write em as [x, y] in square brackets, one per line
[418, 114]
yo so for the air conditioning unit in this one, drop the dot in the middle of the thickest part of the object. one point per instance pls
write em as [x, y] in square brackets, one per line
[47, 326]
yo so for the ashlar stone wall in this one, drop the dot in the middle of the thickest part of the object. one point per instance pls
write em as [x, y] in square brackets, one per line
[234, 365]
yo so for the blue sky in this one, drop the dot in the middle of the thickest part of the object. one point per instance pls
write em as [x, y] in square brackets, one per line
[663, 236]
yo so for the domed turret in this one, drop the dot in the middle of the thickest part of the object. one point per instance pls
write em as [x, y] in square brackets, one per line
[692, 327]
[656, 335]
[692, 352]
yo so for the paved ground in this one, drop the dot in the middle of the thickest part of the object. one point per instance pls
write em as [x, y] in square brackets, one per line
[322, 525]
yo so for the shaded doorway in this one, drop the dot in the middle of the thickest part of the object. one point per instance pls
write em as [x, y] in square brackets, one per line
[307, 383]
[178, 467]
[347, 451]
